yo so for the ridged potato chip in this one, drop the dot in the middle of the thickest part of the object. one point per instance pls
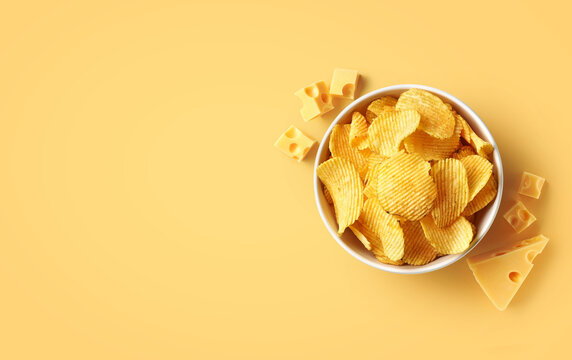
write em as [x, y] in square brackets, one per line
[340, 147]
[463, 151]
[370, 190]
[436, 118]
[388, 130]
[404, 186]
[375, 244]
[479, 170]
[431, 148]
[482, 147]
[358, 231]
[385, 226]
[376, 107]
[483, 198]
[450, 177]
[358, 131]
[453, 239]
[418, 250]
[327, 195]
[343, 182]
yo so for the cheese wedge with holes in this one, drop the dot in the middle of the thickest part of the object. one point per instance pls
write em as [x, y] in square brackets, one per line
[294, 143]
[501, 272]
[344, 83]
[316, 100]
[531, 185]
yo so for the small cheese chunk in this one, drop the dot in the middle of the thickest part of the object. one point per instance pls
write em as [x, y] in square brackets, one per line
[519, 217]
[531, 185]
[294, 143]
[344, 83]
[501, 272]
[316, 100]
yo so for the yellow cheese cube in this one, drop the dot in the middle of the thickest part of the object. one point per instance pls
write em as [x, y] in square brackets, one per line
[531, 185]
[316, 100]
[294, 143]
[344, 83]
[501, 272]
[519, 217]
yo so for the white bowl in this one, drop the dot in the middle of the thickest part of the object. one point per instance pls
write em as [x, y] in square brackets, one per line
[348, 241]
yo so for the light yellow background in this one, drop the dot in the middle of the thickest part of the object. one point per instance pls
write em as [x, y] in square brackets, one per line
[144, 213]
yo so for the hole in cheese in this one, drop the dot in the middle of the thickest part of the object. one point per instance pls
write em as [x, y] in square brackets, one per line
[501, 253]
[531, 255]
[348, 90]
[291, 133]
[312, 91]
[515, 276]
[325, 98]
[293, 147]
[523, 214]
[513, 220]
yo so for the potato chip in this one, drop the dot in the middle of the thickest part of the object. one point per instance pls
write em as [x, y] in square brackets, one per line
[388, 130]
[450, 177]
[418, 250]
[343, 182]
[404, 186]
[327, 195]
[479, 170]
[376, 107]
[431, 148]
[482, 147]
[357, 229]
[452, 239]
[463, 151]
[375, 243]
[340, 147]
[436, 118]
[385, 226]
[466, 129]
[358, 131]
[483, 198]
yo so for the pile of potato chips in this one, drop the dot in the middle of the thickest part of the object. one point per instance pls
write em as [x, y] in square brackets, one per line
[408, 177]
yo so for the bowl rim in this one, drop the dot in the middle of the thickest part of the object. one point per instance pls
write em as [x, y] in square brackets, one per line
[432, 266]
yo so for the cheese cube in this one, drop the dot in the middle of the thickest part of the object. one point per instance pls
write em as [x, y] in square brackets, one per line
[531, 185]
[294, 143]
[501, 272]
[344, 83]
[519, 217]
[316, 100]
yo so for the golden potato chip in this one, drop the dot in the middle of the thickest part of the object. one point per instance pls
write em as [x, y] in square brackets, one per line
[450, 177]
[370, 190]
[436, 118]
[376, 107]
[463, 151]
[385, 226]
[418, 250]
[343, 182]
[483, 198]
[340, 147]
[375, 243]
[466, 129]
[479, 171]
[431, 148]
[388, 130]
[356, 228]
[452, 239]
[482, 147]
[404, 186]
[327, 195]
[358, 131]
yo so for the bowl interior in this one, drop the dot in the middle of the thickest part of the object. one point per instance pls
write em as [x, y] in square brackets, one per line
[348, 241]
